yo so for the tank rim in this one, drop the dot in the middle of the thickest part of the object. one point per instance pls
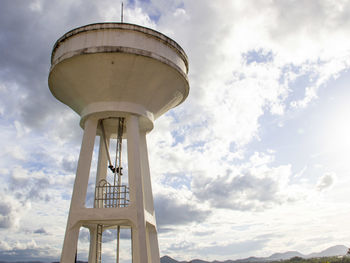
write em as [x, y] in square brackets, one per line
[125, 26]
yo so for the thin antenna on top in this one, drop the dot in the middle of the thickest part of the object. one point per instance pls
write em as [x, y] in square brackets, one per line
[122, 12]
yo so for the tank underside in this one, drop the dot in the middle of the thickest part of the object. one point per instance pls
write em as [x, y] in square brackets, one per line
[117, 77]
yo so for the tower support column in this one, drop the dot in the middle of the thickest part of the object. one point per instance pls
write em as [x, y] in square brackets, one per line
[79, 191]
[151, 229]
[139, 245]
[144, 243]
[93, 243]
[153, 247]
[100, 175]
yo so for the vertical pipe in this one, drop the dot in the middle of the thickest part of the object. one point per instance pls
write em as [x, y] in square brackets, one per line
[118, 165]
[102, 163]
[118, 242]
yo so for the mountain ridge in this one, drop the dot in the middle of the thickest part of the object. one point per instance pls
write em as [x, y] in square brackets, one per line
[337, 250]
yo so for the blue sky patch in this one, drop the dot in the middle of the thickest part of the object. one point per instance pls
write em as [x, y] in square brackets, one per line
[258, 56]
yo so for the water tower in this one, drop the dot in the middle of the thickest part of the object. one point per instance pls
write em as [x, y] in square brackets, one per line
[119, 78]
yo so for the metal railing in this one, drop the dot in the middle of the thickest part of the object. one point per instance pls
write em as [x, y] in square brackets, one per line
[111, 196]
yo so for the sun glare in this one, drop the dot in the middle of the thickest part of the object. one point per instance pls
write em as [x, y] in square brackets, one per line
[336, 133]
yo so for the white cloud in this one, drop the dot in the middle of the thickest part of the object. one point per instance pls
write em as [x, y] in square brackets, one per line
[325, 181]
[11, 211]
[36, 5]
[172, 209]
[15, 152]
[20, 129]
[255, 186]
[4, 245]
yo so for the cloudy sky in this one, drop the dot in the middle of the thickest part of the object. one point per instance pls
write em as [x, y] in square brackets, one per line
[255, 161]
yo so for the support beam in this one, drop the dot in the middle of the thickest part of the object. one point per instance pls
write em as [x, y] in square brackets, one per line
[100, 175]
[146, 177]
[139, 243]
[152, 244]
[79, 191]
[102, 164]
[93, 243]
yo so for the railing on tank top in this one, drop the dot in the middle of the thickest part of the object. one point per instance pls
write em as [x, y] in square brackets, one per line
[111, 196]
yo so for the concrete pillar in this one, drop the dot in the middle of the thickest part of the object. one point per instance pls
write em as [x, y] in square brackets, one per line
[152, 244]
[146, 177]
[102, 163]
[101, 174]
[79, 191]
[151, 230]
[139, 244]
[93, 241]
